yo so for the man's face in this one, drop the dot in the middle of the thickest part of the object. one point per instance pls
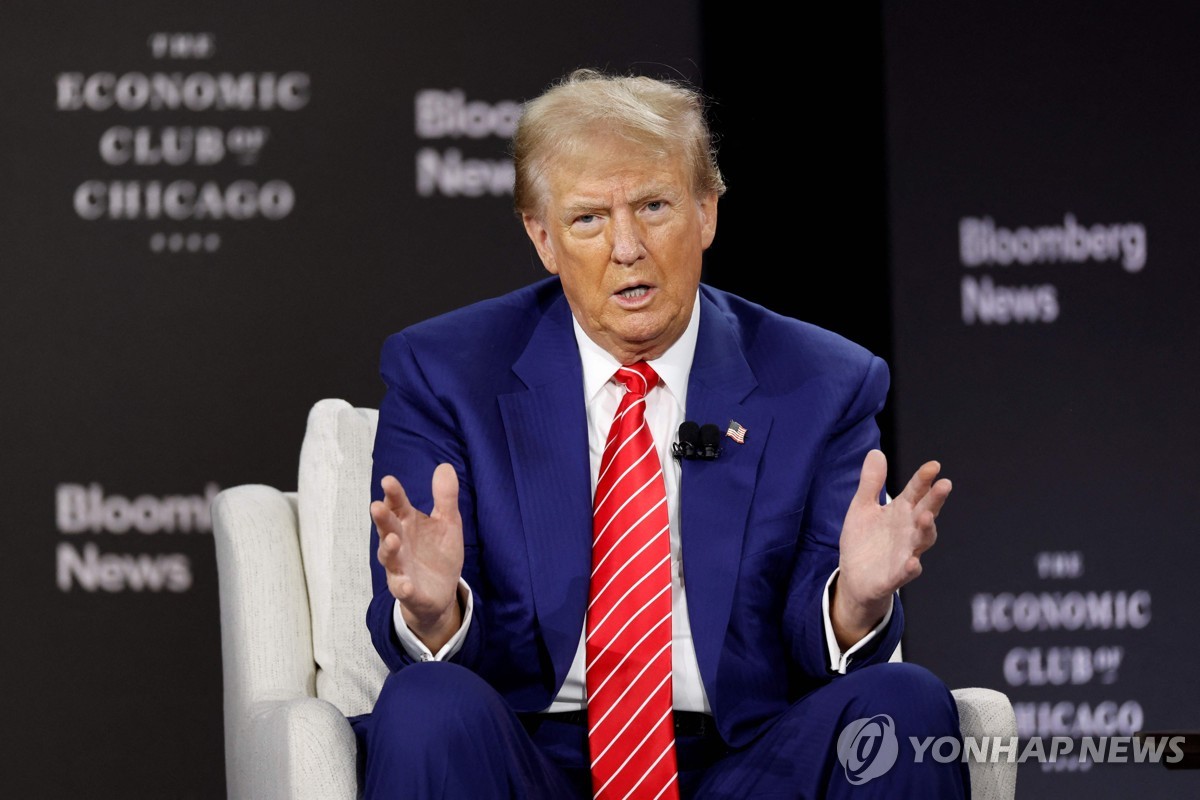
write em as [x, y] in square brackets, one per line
[624, 232]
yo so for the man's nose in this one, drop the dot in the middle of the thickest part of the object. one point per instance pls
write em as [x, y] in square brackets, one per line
[627, 246]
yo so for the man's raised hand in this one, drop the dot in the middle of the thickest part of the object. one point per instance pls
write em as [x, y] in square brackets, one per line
[881, 545]
[423, 555]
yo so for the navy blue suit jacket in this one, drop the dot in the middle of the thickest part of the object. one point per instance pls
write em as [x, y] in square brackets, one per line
[496, 389]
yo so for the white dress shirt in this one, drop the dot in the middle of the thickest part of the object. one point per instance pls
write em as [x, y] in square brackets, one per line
[665, 406]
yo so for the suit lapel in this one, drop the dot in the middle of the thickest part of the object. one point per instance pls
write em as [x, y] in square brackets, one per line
[546, 428]
[716, 495]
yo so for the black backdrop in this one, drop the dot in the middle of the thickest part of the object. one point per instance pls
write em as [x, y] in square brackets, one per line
[190, 261]
[1042, 174]
[801, 127]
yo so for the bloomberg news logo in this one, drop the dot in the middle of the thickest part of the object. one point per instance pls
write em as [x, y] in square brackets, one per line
[91, 566]
[1024, 252]
[448, 114]
[868, 748]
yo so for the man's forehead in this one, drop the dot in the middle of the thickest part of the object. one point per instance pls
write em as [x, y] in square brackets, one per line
[586, 192]
[607, 175]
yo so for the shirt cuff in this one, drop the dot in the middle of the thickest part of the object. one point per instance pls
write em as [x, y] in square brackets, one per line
[839, 661]
[416, 648]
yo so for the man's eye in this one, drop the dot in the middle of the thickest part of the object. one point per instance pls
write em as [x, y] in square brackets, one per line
[656, 205]
[586, 219]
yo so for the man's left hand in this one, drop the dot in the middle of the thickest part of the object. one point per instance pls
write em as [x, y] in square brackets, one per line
[881, 545]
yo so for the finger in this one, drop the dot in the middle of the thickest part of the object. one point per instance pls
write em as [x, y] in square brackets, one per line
[920, 482]
[394, 495]
[871, 480]
[912, 570]
[389, 547]
[926, 533]
[402, 587]
[445, 492]
[385, 521]
[935, 498]
[385, 518]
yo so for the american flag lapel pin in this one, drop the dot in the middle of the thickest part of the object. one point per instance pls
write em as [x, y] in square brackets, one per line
[736, 431]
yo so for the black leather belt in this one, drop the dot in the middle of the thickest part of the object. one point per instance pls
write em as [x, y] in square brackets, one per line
[687, 723]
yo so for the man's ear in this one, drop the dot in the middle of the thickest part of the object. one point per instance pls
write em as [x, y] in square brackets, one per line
[541, 242]
[708, 219]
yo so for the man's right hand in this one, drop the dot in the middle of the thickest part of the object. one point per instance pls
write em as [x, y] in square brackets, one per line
[423, 555]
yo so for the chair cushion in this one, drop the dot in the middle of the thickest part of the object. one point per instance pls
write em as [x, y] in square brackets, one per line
[335, 523]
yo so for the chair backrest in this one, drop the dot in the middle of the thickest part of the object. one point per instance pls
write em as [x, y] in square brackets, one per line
[333, 500]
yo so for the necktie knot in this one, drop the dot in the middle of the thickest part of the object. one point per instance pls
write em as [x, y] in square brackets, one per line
[638, 378]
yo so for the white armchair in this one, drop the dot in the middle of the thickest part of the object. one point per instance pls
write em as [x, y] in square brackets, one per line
[296, 655]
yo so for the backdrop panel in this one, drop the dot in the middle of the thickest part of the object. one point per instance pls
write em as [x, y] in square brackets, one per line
[212, 215]
[1042, 197]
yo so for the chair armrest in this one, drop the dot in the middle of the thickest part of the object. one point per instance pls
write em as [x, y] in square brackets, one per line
[986, 712]
[301, 749]
[266, 629]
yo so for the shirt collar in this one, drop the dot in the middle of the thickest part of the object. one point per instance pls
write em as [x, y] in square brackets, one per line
[673, 366]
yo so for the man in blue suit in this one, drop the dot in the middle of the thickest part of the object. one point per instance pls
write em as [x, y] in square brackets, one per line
[784, 562]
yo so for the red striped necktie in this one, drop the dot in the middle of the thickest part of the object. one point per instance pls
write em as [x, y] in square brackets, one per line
[631, 730]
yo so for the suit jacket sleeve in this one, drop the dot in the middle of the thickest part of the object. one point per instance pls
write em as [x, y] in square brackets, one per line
[834, 483]
[416, 432]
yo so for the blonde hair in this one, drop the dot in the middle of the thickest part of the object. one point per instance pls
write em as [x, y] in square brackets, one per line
[666, 117]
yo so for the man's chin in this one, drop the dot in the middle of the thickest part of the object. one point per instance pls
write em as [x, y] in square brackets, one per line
[646, 342]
